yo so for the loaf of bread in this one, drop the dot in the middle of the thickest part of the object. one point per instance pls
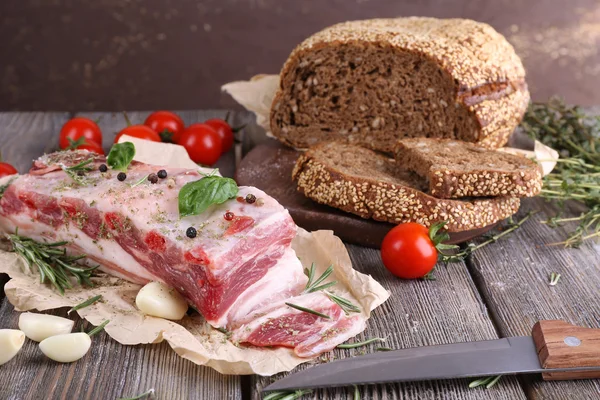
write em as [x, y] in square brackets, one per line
[456, 169]
[376, 81]
[369, 184]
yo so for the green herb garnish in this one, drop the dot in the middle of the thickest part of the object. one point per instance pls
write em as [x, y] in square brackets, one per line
[139, 396]
[98, 328]
[308, 310]
[287, 395]
[5, 186]
[195, 197]
[487, 381]
[316, 285]
[77, 171]
[345, 304]
[86, 303]
[575, 134]
[360, 344]
[120, 156]
[52, 262]
[554, 278]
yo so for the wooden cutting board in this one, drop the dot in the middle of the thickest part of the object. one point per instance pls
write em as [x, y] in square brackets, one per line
[268, 166]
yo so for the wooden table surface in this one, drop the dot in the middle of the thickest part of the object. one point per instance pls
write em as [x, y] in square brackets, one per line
[499, 291]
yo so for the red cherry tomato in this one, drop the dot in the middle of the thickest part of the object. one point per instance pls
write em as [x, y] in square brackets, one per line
[225, 132]
[139, 131]
[6, 169]
[167, 124]
[91, 147]
[77, 128]
[202, 143]
[408, 252]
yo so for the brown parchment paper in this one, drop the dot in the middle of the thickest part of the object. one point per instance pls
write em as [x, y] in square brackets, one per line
[192, 338]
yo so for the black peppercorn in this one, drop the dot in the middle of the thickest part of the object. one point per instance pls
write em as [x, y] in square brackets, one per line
[122, 176]
[103, 168]
[228, 216]
[153, 178]
[191, 232]
[80, 173]
[162, 174]
[250, 198]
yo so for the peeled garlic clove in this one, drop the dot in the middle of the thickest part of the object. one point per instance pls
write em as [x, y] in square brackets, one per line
[159, 300]
[11, 341]
[38, 327]
[67, 347]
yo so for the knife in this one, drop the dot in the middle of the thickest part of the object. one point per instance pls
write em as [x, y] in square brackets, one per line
[556, 349]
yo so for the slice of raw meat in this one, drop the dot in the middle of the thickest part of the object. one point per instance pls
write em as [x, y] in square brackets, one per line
[308, 334]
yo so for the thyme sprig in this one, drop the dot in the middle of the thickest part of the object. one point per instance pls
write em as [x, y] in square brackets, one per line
[52, 262]
[471, 247]
[575, 134]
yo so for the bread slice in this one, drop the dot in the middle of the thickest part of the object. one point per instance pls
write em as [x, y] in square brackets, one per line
[376, 81]
[456, 169]
[369, 184]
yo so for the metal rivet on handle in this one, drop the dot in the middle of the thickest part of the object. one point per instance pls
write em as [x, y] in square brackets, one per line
[572, 341]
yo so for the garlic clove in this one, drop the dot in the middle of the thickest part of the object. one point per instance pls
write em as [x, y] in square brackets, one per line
[11, 341]
[159, 300]
[38, 327]
[66, 348]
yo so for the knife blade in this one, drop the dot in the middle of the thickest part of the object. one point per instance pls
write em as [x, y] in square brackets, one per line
[547, 352]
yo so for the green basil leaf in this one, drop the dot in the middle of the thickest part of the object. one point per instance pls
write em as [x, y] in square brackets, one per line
[120, 156]
[195, 197]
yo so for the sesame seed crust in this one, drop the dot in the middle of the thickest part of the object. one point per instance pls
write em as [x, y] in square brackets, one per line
[319, 179]
[488, 76]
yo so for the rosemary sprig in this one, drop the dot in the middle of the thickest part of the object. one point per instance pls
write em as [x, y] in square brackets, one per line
[575, 134]
[98, 328]
[488, 381]
[139, 396]
[345, 304]
[287, 395]
[86, 303]
[77, 171]
[360, 344]
[317, 285]
[5, 186]
[52, 262]
[140, 181]
[554, 278]
[308, 310]
[461, 255]
[356, 393]
[314, 286]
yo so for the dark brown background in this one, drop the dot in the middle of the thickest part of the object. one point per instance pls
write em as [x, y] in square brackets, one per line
[118, 54]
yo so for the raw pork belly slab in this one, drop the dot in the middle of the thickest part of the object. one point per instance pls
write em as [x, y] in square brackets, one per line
[231, 270]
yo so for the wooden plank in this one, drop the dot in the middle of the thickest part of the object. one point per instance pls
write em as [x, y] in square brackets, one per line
[112, 123]
[108, 371]
[419, 313]
[513, 277]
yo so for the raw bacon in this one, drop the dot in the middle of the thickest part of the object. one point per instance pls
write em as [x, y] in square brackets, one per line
[238, 271]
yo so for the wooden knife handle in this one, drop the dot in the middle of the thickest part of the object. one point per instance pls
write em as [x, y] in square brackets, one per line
[562, 345]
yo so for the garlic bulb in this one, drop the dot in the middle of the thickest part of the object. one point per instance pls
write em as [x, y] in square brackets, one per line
[159, 300]
[67, 347]
[38, 327]
[11, 341]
